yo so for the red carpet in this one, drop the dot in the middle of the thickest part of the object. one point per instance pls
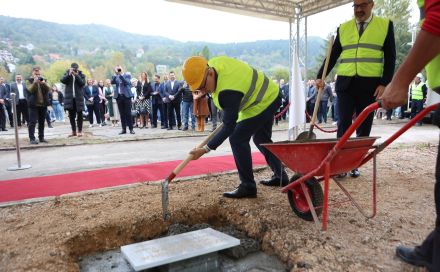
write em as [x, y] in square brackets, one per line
[26, 188]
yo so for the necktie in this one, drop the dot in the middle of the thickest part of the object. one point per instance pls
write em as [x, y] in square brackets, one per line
[361, 28]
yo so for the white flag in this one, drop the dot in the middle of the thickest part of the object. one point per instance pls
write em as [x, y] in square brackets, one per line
[297, 98]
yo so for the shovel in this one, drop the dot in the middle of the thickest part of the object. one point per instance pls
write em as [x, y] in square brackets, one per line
[176, 171]
[309, 135]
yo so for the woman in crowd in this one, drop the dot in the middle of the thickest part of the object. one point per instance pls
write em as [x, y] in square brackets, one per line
[200, 109]
[112, 106]
[134, 112]
[57, 104]
[143, 100]
[102, 102]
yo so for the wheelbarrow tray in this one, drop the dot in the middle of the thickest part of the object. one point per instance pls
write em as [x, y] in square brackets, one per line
[303, 156]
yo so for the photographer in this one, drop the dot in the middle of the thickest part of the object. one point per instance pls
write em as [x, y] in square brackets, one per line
[74, 80]
[38, 100]
[123, 97]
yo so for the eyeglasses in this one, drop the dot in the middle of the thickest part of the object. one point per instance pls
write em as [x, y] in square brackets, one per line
[362, 6]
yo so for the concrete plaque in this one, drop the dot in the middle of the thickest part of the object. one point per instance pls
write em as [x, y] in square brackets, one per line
[175, 248]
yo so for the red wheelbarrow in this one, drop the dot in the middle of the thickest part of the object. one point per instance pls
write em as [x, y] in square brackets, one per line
[321, 160]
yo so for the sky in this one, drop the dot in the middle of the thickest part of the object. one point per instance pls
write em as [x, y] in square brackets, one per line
[172, 20]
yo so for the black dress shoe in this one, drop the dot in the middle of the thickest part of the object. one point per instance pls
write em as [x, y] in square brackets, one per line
[185, 129]
[153, 126]
[241, 192]
[274, 181]
[170, 128]
[4, 129]
[179, 128]
[33, 142]
[411, 256]
[131, 131]
[43, 141]
[355, 173]
[123, 132]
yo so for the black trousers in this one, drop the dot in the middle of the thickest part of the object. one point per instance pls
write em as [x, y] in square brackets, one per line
[8, 106]
[174, 111]
[124, 106]
[36, 114]
[22, 111]
[355, 97]
[74, 113]
[94, 109]
[2, 117]
[430, 248]
[164, 115]
[260, 128]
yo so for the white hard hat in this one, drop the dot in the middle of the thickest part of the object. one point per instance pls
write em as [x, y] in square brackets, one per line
[419, 75]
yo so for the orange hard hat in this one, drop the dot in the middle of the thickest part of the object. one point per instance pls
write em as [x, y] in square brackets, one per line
[194, 70]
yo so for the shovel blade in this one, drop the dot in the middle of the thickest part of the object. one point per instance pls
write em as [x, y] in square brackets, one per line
[165, 200]
[306, 135]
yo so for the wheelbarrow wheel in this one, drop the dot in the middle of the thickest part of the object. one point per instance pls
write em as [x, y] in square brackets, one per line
[298, 201]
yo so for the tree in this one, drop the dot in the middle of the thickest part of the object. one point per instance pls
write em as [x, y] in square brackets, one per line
[397, 11]
[57, 69]
[280, 73]
[205, 52]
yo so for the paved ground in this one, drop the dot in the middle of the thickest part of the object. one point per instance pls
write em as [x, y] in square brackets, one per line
[102, 147]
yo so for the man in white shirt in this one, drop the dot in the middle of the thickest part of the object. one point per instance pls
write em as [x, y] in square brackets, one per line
[21, 100]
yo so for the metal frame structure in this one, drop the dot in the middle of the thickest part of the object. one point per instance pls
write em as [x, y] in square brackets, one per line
[295, 12]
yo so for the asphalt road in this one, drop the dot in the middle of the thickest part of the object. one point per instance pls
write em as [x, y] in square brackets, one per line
[66, 159]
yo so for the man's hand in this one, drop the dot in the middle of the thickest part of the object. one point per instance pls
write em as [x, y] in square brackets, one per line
[379, 91]
[197, 153]
[394, 95]
[171, 97]
[2, 101]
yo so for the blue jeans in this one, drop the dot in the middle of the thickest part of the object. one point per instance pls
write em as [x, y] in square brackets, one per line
[58, 110]
[187, 109]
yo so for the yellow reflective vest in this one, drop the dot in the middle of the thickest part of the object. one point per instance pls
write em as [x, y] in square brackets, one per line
[433, 67]
[258, 91]
[417, 91]
[362, 56]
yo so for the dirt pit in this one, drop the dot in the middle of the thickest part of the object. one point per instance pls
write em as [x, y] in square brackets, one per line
[244, 257]
[53, 235]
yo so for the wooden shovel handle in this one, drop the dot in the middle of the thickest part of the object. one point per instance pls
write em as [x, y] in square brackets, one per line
[190, 156]
[323, 76]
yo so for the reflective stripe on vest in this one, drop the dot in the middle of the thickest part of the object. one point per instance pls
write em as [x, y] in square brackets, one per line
[433, 67]
[363, 55]
[258, 91]
[417, 92]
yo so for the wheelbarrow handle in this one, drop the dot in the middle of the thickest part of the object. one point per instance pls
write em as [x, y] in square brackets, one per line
[407, 126]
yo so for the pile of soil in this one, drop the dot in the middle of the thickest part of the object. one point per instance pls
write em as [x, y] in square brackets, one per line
[51, 236]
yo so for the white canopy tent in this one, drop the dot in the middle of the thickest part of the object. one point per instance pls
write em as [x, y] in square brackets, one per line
[295, 12]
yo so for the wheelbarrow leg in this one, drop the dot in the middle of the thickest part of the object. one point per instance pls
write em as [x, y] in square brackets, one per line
[309, 202]
[326, 185]
[361, 210]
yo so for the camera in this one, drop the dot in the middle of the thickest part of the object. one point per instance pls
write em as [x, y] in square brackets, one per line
[119, 70]
[40, 79]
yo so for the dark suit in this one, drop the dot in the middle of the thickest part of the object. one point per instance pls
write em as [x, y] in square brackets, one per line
[5, 94]
[156, 103]
[21, 102]
[89, 92]
[165, 102]
[173, 104]
[123, 97]
[356, 92]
